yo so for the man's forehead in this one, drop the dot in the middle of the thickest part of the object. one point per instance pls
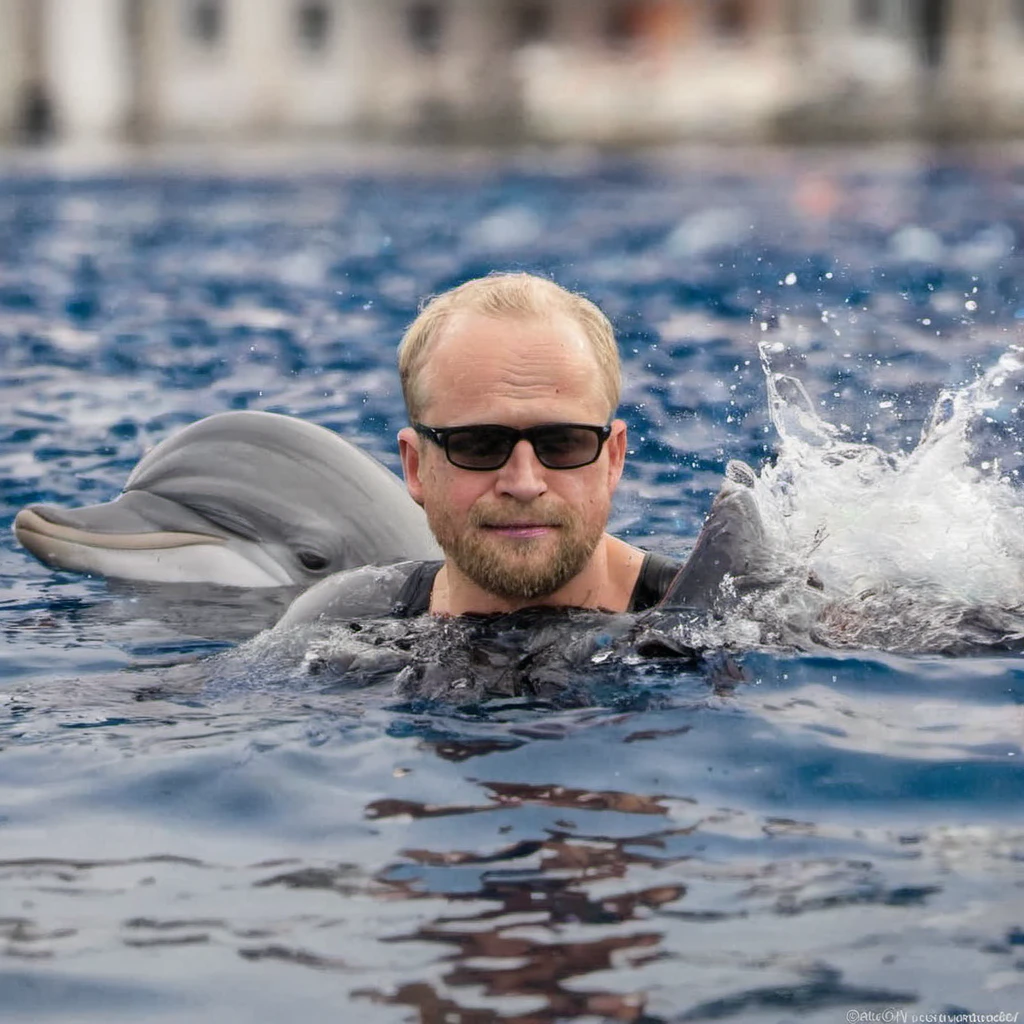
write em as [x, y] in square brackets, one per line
[527, 360]
[469, 326]
[529, 355]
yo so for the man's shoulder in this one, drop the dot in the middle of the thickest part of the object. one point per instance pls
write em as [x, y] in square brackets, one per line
[367, 592]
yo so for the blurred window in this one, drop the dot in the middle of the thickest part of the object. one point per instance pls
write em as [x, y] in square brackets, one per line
[730, 18]
[425, 23]
[932, 30]
[531, 22]
[206, 21]
[36, 113]
[313, 24]
[869, 12]
[622, 23]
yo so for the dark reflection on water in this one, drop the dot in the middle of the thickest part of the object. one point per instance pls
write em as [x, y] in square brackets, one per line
[542, 920]
[547, 893]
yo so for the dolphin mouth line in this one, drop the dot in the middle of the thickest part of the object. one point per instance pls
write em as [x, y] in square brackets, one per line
[29, 522]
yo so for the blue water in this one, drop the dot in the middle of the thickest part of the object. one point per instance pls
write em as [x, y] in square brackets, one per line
[786, 836]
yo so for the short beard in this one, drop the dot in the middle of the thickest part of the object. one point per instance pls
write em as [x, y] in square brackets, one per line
[511, 572]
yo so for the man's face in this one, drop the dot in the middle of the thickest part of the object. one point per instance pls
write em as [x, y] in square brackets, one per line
[522, 531]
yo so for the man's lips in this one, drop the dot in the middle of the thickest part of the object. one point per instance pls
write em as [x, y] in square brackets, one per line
[520, 530]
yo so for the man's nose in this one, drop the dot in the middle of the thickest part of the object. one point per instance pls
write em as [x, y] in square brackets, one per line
[522, 477]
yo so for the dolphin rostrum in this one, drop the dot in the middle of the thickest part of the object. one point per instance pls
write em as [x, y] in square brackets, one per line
[246, 499]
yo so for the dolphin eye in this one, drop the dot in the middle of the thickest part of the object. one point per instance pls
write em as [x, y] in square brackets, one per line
[312, 561]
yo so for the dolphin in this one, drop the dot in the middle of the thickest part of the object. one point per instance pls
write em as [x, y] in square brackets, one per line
[242, 499]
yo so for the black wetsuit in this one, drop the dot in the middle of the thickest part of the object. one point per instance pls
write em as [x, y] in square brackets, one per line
[403, 591]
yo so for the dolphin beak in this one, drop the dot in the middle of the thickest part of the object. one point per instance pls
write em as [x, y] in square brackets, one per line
[144, 538]
[80, 539]
[39, 525]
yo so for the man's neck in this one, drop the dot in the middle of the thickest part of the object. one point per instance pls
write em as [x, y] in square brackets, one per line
[606, 582]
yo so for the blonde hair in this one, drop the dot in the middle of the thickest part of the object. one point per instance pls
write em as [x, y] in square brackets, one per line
[505, 296]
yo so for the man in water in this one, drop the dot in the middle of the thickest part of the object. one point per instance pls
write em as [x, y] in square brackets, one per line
[511, 385]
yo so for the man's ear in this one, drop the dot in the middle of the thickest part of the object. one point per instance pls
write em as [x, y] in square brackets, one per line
[616, 445]
[409, 452]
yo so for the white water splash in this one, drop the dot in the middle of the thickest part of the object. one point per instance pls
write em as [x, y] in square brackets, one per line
[919, 550]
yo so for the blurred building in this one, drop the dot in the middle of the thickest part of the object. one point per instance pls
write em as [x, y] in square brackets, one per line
[610, 71]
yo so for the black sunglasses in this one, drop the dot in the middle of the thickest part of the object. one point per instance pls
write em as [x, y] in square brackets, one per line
[488, 446]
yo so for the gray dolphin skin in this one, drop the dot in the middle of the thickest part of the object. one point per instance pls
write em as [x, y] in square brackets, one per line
[733, 545]
[244, 499]
[731, 542]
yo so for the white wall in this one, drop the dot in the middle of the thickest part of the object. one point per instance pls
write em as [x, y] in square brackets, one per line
[87, 68]
[198, 88]
[320, 87]
[258, 80]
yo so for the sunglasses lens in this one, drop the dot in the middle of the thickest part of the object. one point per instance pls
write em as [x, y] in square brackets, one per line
[480, 447]
[564, 447]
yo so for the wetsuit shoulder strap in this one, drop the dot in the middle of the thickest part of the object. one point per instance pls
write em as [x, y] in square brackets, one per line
[414, 597]
[656, 573]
